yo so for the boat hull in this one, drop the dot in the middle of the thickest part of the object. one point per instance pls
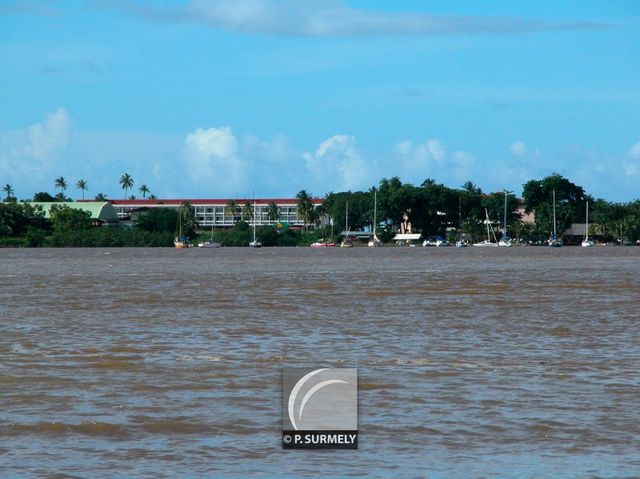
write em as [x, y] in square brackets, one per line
[486, 244]
[209, 245]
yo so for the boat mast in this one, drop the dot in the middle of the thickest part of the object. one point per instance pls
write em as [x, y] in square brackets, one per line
[486, 213]
[554, 214]
[586, 225]
[621, 242]
[505, 214]
[346, 219]
[254, 219]
[375, 212]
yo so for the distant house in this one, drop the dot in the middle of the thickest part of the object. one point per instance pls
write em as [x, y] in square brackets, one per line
[102, 212]
[575, 233]
[526, 218]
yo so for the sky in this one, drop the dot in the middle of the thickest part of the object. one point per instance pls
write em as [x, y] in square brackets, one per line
[233, 99]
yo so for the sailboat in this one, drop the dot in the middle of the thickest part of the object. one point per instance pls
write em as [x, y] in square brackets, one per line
[180, 241]
[256, 242]
[554, 241]
[487, 242]
[505, 241]
[375, 242]
[346, 242]
[210, 243]
[586, 242]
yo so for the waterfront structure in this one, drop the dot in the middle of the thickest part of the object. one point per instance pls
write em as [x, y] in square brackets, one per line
[102, 212]
[214, 212]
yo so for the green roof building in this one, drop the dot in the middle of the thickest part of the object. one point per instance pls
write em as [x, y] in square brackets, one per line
[102, 211]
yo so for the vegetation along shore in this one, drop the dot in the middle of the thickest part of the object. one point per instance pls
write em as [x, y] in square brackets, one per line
[434, 210]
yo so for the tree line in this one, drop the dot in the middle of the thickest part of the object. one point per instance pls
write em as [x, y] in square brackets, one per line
[433, 209]
[438, 210]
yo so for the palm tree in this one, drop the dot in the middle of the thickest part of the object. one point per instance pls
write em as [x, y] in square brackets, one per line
[247, 209]
[126, 181]
[101, 197]
[8, 190]
[232, 209]
[82, 185]
[153, 197]
[62, 184]
[144, 189]
[471, 187]
[304, 207]
[319, 213]
[273, 212]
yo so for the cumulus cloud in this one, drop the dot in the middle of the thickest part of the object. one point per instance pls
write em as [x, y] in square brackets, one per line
[33, 151]
[212, 159]
[46, 139]
[431, 160]
[338, 164]
[332, 18]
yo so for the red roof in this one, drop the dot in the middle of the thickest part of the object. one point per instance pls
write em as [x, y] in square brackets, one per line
[240, 201]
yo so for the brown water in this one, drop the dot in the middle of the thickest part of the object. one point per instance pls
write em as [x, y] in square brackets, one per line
[520, 362]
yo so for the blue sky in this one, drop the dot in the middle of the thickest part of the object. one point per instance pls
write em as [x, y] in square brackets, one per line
[200, 98]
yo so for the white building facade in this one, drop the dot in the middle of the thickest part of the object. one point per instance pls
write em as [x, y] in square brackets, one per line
[215, 212]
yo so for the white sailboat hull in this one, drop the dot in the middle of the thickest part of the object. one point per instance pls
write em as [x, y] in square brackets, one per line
[209, 244]
[486, 243]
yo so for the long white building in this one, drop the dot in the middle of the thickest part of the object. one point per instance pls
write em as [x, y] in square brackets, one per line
[214, 212]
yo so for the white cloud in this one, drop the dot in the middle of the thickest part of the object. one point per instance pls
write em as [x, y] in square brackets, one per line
[331, 18]
[215, 162]
[338, 164]
[422, 160]
[518, 148]
[29, 155]
[46, 139]
[212, 160]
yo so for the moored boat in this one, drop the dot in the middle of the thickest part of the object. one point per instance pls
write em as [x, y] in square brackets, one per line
[322, 243]
[554, 241]
[586, 242]
[487, 241]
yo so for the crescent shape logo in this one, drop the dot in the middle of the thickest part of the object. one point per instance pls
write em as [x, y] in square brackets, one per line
[291, 406]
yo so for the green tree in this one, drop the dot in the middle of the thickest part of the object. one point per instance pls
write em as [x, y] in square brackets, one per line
[470, 187]
[82, 185]
[64, 219]
[62, 184]
[232, 209]
[186, 215]
[101, 197]
[18, 218]
[304, 207]
[273, 212]
[570, 202]
[494, 203]
[126, 182]
[9, 191]
[43, 197]
[144, 189]
[158, 220]
[247, 211]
